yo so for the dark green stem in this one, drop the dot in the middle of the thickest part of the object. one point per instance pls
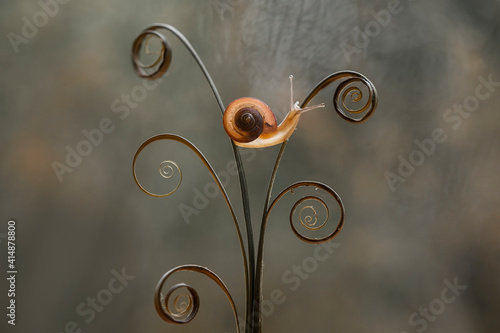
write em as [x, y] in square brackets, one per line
[251, 250]
[257, 323]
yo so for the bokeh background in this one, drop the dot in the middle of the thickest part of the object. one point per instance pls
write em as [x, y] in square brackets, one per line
[397, 247]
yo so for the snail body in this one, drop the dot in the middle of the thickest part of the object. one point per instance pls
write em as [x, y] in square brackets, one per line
[250, 123]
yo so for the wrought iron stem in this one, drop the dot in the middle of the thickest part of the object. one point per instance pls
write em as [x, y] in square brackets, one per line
[257, 324]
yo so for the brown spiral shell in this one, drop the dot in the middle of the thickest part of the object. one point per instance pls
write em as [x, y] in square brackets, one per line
[245, 119]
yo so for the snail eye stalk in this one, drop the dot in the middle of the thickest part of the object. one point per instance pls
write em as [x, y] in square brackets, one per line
[295, 106]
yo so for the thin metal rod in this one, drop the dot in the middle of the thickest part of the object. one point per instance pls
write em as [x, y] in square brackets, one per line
[257, 322]
[250, 240]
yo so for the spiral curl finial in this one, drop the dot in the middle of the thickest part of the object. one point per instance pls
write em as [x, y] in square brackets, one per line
[306, 209]
[186, 305]
[160, 65]
[308, 215]
[167, 170]
[184, 311]
[345, 89]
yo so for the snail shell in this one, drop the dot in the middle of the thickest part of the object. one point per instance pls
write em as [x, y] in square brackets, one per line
[252, 124]
[245, 119]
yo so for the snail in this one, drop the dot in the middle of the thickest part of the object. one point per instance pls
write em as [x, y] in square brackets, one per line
[252, 124]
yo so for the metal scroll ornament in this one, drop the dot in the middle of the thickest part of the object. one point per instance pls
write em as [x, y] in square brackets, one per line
[249, 123]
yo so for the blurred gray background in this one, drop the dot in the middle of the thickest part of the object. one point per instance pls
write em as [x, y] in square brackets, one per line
[398, 246]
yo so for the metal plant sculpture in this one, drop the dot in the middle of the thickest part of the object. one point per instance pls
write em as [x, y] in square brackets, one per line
[249, 123]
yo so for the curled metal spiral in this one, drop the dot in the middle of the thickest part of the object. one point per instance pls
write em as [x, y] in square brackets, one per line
[347, 88]
[167, 170]
[309, 220]
[308, 215]
[161, 64]
[186, 311]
